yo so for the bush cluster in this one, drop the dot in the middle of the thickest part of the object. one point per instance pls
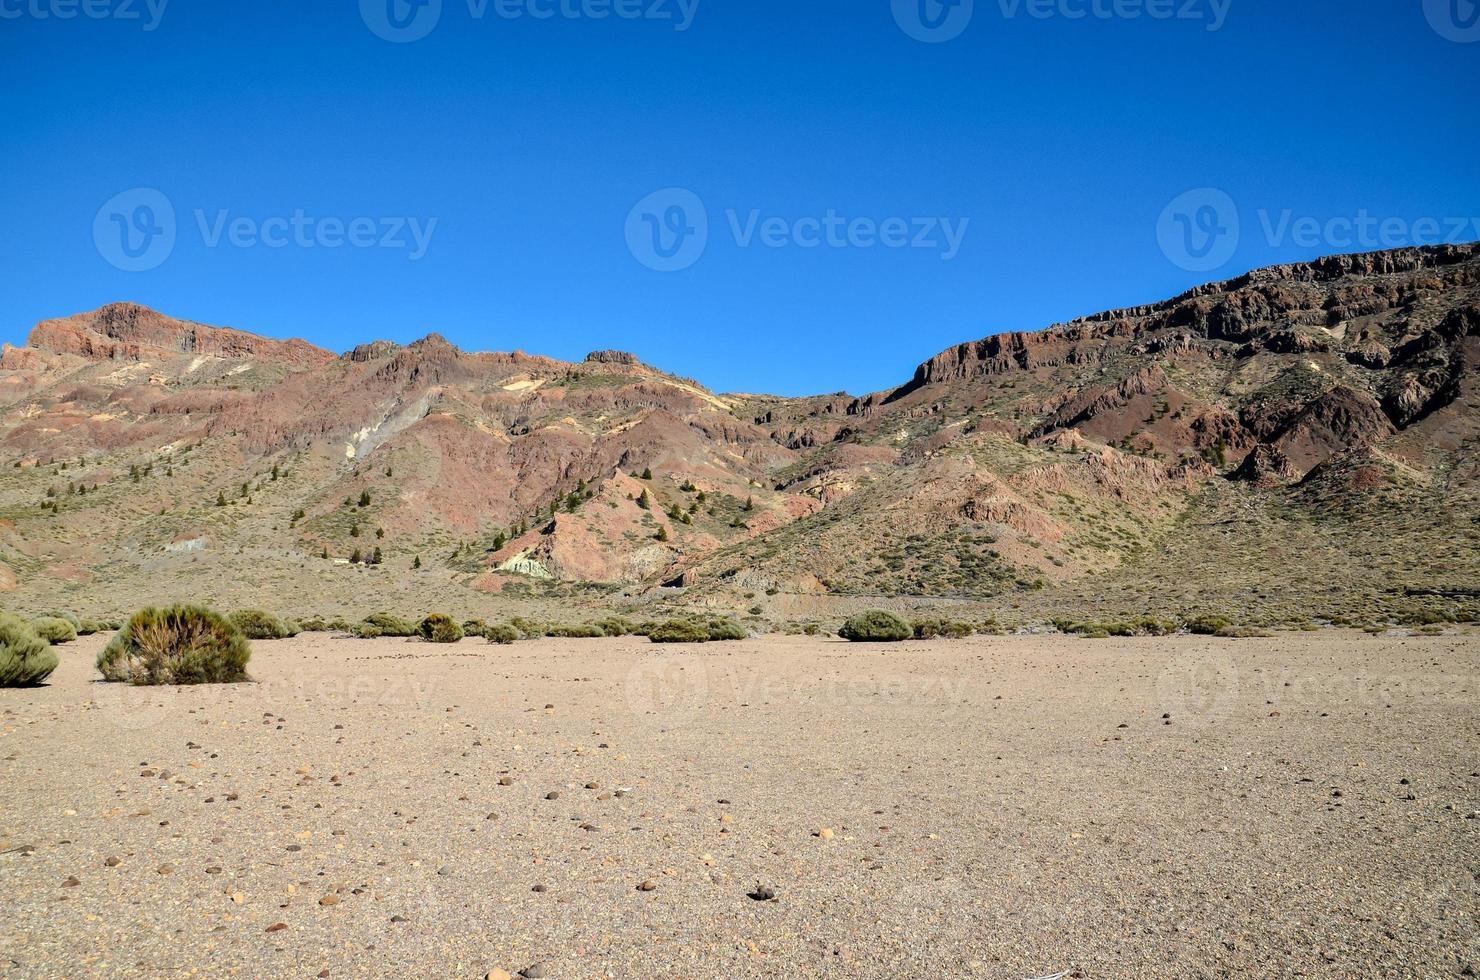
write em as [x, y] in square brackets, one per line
[876, 626]
[384, 624]
[502, 633]
[176, 645]
[258, 625]
[25, 658]
[440, 628]
[684, 630]
[54, 630]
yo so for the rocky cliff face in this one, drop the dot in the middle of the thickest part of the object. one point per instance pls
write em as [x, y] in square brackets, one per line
[127, 331]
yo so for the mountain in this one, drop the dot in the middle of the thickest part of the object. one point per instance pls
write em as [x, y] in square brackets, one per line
[1297, 442]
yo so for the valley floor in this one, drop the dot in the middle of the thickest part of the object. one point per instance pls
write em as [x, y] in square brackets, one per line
[1002, 807]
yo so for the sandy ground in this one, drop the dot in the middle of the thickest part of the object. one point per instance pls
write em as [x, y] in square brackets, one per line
[1001, 807]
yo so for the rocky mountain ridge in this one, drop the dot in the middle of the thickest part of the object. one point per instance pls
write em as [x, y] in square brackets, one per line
[1006, 469]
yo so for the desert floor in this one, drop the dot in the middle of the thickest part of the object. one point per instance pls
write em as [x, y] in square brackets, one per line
[1000, 807]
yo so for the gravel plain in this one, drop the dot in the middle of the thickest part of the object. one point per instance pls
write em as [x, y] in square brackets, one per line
[1003, 807]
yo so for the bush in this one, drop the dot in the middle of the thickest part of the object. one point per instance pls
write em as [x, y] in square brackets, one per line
[90, 626]
[570, 632]
[178, 645]
[25, 658]
[723, 629]
[258, 625]
[617, 626]
[384, 624]
[678, 631]
[876, 626]
[502, 634]
[1206, 625]
[54, 630]
[474, 627]
[929, 629]
[528, 628]
[440, 628]
[69, 617]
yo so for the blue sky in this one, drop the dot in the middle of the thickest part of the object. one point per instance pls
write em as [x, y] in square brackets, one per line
[878, 180]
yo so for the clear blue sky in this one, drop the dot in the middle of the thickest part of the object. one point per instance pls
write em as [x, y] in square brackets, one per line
[1059, 139]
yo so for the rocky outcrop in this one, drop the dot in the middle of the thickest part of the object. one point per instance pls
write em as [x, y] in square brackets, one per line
[1266, 467]
[127, 331]
[612, 357]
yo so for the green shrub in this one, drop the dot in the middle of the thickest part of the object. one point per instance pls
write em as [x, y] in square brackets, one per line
[679, 631]
[502, 634]
[617, 626]
[722, 629]
[25, 658]
[384, 624]
[1207, 625]
[315, 624]
[928, 629]
[54, 630]
[575, 632]
[258, 625]
[69, 617]
[178, 645]
[876, 626]
[90, 626]
[474, 627]
[440, 628]
[528, 628]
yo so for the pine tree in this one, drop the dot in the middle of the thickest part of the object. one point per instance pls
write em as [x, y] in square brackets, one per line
[356, 558]
[354, 530]
[662, 533]
[364, 498]
[380, 534]
[647, 473]
[645, 502]
[275, 472]
[220, 498]
[416, 562]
